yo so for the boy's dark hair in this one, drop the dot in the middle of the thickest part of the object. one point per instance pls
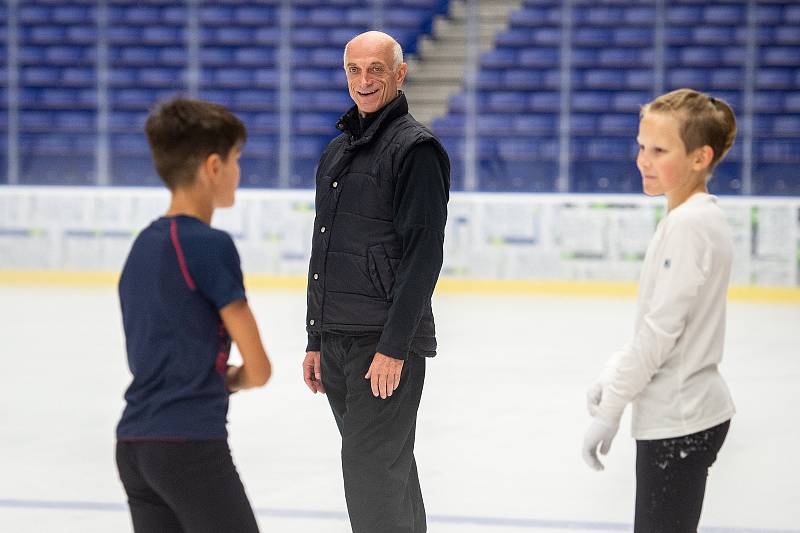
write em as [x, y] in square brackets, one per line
[183, 132]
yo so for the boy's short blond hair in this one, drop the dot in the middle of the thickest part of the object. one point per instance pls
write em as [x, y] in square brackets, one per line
[704, 120]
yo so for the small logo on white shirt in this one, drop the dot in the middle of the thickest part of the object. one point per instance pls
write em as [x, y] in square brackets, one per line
[667, 263]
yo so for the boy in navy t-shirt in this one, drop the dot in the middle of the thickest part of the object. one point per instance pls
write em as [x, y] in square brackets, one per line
[183, 302]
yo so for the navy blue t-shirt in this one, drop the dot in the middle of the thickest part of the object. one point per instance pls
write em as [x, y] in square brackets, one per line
[179, 273]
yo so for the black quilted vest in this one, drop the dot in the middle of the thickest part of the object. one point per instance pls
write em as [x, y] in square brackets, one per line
[355, 249]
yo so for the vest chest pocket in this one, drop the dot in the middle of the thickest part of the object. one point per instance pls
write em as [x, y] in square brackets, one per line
[381, 270]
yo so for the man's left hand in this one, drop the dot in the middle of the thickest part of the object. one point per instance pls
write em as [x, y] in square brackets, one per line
[384, 375]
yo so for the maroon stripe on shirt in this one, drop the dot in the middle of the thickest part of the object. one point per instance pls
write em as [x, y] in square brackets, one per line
[173, 233]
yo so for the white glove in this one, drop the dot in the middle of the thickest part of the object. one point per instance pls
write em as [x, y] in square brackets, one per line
[599, 433]
[593, 397]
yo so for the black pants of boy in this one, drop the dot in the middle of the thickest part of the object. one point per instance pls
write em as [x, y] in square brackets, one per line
[671, 480]
[381, 484]
[184, 487]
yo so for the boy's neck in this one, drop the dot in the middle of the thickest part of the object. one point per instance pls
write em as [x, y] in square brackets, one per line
[678, 197]
[190, 203]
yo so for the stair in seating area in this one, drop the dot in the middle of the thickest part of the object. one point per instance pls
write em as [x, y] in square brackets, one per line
[437, 71]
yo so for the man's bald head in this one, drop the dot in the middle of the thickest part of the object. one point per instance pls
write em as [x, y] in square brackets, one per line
[373, 62]
[377, 40]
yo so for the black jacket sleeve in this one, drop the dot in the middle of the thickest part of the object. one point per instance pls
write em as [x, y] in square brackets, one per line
[420, 213]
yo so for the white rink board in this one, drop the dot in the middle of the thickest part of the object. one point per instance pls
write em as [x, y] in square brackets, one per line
[489, 236]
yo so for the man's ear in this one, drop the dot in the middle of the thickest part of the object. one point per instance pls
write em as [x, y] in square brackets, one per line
[402, 70]
[702, 158]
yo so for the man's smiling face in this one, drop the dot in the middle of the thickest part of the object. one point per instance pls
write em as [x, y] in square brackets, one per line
[372, 77]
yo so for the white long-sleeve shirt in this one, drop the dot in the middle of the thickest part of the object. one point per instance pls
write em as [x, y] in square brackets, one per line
[669, 368]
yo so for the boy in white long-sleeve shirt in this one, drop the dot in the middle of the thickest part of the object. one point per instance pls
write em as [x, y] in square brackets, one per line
[668, 370]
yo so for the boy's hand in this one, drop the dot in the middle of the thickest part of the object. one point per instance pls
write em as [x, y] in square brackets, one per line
[593, 397]
[384, 375]
[312, 372]
[600, 433]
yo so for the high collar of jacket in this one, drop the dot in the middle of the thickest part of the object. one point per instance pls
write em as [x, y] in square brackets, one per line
[350, 122]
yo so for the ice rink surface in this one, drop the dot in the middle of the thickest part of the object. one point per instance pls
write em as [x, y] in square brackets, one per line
[498, 437]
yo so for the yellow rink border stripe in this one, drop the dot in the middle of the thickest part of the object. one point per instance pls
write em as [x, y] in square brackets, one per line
[788, 295]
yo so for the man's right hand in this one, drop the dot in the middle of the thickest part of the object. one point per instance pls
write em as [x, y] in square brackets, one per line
[312, 372]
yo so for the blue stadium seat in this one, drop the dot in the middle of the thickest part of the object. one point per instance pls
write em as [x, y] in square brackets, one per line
[529, 124]
[781, 55]
[539, 57]
[35, 120]
[684, 77]
[326, 57]
[499, 58]
[724, 14]
[141, 15]
[261, 122]
[174, 14]
[315, 123]
[124, 35]
[450, 124]
[534, 16]
[73, 14]
[163, 35]
[266, 77]
[791, 102]
[633, 36]
[727, 78]
[220, 14]
[76, 121]
[599, 15]
[583, 123]
[495, 124]
[767, 102]
[313, 79]
[684, 15]
[85, 77]
[254, 56]
[775, 78]
[623, 57]
[523, 79]
[722, 36]
[65, 55]
[787, 125]
[692, 55]
[254, 15]
[125, 121]
[605, 177]
[549, 102]
[630, 101]
[490, 79]
[133, 98]
[769, 15]
[34, 14]
[44, 34]
[173, 55]
[644, 15]
[592, 37]
[786, 35]
[639, 79]
[603, 79]
[41, 75]
[591, 100]
[136, 56]
[160, 77]
[507, 102]
[778, 179]
[267, 36]
[585, 57]
[618, 124]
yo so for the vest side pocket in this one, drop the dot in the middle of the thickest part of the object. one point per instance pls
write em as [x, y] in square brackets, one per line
[381, 271]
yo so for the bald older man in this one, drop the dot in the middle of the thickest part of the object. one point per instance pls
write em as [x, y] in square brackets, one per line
[381, 207]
